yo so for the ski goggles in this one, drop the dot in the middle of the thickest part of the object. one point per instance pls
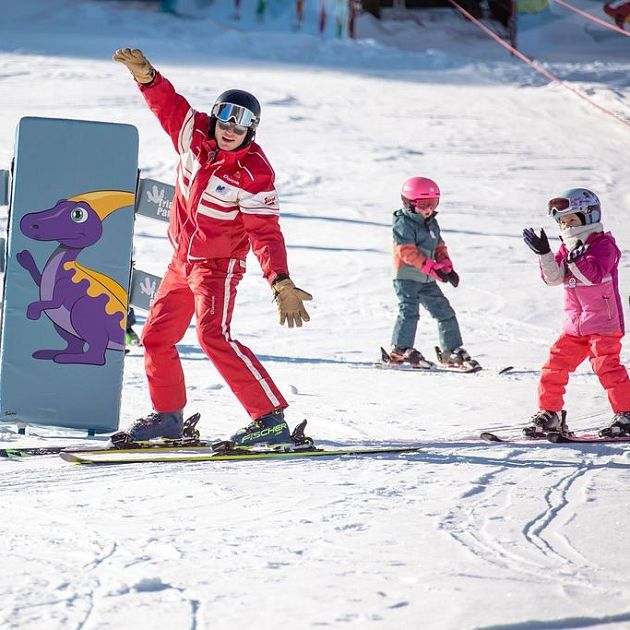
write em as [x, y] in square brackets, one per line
[241, 116]
[558, 207]
[425, 204]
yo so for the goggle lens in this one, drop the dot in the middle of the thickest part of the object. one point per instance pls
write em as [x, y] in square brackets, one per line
[239, 130]
[425, 204]
[558, 205]
[228, 112]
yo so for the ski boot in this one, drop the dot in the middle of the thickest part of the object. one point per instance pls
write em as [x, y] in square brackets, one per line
[131, 337]
[619, 427]
[409, 356]
[544, 422]
[457, 359]
[270, 431]
[169, 425]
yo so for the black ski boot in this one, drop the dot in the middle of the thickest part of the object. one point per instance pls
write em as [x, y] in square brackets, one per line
[619, 427]
[544, 422]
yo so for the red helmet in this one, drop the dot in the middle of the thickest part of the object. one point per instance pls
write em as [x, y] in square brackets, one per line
[417, 189]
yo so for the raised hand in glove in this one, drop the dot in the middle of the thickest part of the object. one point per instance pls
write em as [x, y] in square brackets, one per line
[139, 66]
[290, 302]
[437, 270]
[538, 244]
[577, 252]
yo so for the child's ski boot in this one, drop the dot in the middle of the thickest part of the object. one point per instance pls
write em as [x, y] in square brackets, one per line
[544, 422]
[457, 359]
[409, 356]
[620, 426]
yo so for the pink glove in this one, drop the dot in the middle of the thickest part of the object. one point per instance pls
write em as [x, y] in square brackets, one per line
[436, 269]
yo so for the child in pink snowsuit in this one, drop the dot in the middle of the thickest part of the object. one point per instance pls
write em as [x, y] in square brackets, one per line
[586, 264]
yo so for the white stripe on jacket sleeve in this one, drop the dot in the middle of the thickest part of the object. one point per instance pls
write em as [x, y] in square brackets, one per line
[265, 202]
[185, 133]
[552, 272]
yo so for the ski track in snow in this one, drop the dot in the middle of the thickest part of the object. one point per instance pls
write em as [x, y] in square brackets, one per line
[476, 524]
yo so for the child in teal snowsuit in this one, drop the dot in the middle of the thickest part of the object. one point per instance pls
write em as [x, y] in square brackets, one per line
[420, 259]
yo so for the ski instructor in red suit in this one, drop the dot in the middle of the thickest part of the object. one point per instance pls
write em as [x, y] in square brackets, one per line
[225, 202]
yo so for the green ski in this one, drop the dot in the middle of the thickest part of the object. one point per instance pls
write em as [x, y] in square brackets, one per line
[207, 454]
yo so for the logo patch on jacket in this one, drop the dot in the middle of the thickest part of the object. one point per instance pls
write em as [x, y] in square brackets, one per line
[221, 189]
[232, 177]
[270, 201]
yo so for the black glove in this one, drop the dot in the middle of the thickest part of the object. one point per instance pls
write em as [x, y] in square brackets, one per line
[538, 244]
[577, 252]
[452, 276]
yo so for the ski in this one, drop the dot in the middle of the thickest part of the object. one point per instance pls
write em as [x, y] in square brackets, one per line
[431, 368]
[585, 438]
[555, 438]
[30, 451]
[120, 442]
[436, 369]
[209, 454]
[34, 451]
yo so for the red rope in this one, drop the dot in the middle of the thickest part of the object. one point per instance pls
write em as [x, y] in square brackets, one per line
[536, 66]
[588, 16]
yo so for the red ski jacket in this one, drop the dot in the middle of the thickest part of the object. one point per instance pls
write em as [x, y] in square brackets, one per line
[225, 201]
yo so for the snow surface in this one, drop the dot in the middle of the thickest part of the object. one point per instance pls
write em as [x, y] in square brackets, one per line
[460, 535]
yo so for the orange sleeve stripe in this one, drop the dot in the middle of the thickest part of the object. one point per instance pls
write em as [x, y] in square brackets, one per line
[408, 254]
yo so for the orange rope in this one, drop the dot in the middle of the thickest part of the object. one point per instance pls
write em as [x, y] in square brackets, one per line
[588, 16]
[536, 66]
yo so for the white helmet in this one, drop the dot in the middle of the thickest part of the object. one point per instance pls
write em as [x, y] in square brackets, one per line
[580, 201]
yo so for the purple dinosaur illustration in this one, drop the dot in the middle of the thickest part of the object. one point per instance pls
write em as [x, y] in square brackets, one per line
[85, 306]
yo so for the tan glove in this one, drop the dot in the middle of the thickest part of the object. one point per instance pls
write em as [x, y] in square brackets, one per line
[290, 303]
[139, 66]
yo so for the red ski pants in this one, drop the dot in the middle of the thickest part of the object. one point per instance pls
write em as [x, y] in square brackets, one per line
[565, 356]
[206, 289]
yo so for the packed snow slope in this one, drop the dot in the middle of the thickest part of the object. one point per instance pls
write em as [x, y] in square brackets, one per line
[460, 535]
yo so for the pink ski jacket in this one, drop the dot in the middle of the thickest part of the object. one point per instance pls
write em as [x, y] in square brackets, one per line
[225, 201]
[592, 303]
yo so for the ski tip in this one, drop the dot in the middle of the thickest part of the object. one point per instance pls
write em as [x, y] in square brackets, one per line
[506, 369]
[490, 437]
[70, 457]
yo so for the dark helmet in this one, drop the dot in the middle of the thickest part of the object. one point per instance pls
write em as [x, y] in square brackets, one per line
[239, 107]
